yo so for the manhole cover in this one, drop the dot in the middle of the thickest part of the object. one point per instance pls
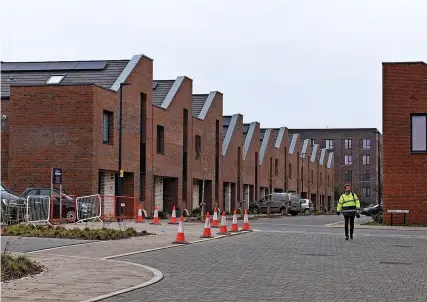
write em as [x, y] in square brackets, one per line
[395, 263]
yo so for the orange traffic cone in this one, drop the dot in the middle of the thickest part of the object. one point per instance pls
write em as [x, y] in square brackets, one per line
[215, 219]
[207, 230]
[173, 218]
[246, 226]
[223, 229]
[139, 218]
[156, 216]
[180, 237]
[234, 226]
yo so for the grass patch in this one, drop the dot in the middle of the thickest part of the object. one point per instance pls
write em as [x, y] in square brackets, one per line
[14, 267]
[76, 233]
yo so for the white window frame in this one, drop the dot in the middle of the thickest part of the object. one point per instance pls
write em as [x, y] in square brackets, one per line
[348, 160]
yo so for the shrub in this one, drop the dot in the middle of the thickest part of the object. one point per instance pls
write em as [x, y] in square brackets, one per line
[13, 267]
[61, 232]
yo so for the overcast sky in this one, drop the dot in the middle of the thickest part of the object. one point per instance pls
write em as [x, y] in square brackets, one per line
[300, 64]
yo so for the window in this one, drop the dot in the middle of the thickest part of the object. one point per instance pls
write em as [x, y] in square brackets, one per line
[55, 79]
[367, 191]
[107, 127]
[290, 171]
[348, 175]
[312, 141]
[347, 144]
[276, 167]
[198, 146]
[365, 176]
[365, 143]
[312, 176]
[348, 160]
[366, 159]
[328, 180]
[329, 144]
[419, 132]
[160, 139]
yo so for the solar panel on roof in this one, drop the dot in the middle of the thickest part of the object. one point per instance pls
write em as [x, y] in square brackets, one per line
[8, 66]
[60, 66]
[91, 65]
[31, 66]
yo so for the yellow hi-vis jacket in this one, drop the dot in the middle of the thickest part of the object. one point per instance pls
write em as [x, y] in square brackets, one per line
[348, 203]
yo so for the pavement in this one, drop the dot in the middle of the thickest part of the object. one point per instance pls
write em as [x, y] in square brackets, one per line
[303, 258]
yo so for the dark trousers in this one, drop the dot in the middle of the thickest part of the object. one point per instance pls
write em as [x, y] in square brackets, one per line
[349, 218]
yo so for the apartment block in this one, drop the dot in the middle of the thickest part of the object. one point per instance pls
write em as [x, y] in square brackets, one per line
[355, 157]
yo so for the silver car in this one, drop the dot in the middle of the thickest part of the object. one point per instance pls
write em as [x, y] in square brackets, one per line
[279, 203]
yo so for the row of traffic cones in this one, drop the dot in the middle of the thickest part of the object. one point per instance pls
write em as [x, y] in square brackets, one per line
[207, 233]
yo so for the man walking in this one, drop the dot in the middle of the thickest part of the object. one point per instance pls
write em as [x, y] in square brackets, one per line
[349, 205]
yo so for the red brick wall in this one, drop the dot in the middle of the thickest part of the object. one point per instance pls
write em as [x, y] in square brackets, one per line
[5, 110]
[281, 154]
[170, 163]
[51, 126]
[265, 165]
[294, 180]
[229, 161]
[306, 164]
[248, 176]
[204, 167]
[404, 173]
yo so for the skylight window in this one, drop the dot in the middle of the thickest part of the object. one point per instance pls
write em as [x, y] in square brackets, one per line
[55, 79]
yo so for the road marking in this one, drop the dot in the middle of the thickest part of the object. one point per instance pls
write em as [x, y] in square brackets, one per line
[64, 246]
[331, 225]
[172, 246]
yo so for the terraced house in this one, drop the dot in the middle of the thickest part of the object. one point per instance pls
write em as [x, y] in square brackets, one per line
[177, 148]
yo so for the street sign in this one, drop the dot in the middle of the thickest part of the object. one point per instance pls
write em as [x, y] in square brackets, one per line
[398, 211]
[57, 176]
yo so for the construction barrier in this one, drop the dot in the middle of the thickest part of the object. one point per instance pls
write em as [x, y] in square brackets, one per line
[109, 205]
[38, 209]
[89, 208]
[69, 208]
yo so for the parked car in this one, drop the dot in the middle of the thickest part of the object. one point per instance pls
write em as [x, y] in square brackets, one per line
[299, 205]
[279, 203]
[68, 201]
[12, 205]
[371, 210]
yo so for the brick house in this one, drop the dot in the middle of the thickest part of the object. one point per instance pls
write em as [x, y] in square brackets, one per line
[232, 145]
[65, 114]
[266, 162]
[306, 185]
[405, 140]
[207, 136]
[313, 177]
[251, 162]
[281, 148]
[294, 163]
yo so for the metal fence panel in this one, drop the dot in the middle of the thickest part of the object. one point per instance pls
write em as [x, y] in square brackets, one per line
[89, 208]
[38, 209]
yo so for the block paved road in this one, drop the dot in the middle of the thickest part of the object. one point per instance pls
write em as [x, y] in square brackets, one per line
[291, 259]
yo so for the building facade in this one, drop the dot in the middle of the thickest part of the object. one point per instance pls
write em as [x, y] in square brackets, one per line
[405, 141]
[355, 157]
[177, 147]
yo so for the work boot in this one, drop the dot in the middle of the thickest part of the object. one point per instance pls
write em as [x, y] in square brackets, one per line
[346, 237]
[351, 237]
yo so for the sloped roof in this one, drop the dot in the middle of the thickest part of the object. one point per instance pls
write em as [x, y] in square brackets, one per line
[161, 89]
[198, 101]
[229, 133]
[103, 73]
